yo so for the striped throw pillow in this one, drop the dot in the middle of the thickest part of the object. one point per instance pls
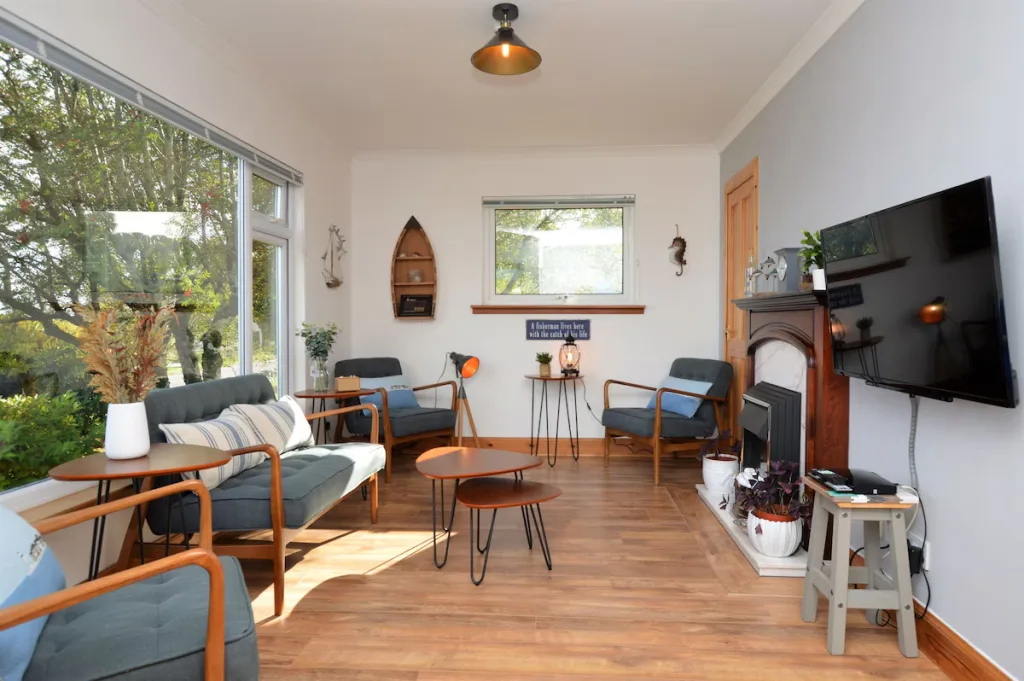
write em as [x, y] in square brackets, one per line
[227, 432]
[282, 423]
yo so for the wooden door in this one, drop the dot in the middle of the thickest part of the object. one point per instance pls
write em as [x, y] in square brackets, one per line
[740, 243]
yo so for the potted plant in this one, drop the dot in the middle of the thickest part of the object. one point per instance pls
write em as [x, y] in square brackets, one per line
[544, 360]
[813, 259]
[864, 324]
[776, 510]
[123, 350]
[719, 465]
[319, 341]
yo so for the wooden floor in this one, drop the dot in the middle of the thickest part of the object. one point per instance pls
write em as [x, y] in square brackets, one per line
[646, 584]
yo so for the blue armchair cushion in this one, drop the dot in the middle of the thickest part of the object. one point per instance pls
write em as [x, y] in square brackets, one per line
[640, 421]
[684, 405]
[154, 630]
[400, 394]
[28, 570]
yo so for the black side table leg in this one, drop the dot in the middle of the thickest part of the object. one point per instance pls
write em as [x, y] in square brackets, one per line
[486, 551]
[558, 417]
[137, 486]
[542, 535]
[533, 391]
[576, 412]
[433, 519]
[542, 410]
[98, 527]
[518, 475]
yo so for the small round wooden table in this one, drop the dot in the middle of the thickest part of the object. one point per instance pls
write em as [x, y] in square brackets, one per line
[543, 411]
[458, 463]
[495, 493]
[323, 396]
[163, 459]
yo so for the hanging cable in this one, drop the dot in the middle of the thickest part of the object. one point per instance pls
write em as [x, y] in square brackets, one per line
[914, 403]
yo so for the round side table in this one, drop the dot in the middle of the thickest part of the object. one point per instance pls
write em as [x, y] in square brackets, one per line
[323, 396]
[543, 411]
[163, 459]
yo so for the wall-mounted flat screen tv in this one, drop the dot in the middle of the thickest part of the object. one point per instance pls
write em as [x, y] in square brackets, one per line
[915, 298]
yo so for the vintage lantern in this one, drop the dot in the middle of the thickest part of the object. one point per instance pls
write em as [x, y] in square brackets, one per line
[569, 357]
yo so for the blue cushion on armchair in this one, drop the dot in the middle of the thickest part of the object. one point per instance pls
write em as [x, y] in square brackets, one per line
[400, 394]
[684, 405]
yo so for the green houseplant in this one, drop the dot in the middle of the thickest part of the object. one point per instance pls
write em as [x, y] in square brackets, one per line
[544, 360]
[864, 324]
[813, 258]
[319, 340]
[775, 508]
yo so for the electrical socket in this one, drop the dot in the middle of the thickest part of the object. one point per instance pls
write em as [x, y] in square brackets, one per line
[926, 562]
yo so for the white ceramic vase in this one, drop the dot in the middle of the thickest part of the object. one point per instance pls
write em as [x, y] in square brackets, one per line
[818, 279]
[719, 475]
[777, 539]
[127, 431]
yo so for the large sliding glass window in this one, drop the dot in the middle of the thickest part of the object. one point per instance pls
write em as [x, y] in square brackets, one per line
[100, 200]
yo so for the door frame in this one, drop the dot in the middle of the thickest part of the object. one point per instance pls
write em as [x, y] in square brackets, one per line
[748, 173]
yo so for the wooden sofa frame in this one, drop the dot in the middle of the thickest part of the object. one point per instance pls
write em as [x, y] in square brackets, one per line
[203, 556]
[274, 550]
[659, 444]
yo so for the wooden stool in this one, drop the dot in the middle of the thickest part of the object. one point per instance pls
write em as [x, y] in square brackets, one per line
[833, 578]
[494, 493]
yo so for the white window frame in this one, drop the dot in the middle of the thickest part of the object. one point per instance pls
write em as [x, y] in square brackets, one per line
[629, 270]
[259, 227]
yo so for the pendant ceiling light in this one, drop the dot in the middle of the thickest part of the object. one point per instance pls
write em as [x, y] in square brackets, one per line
[505, 54]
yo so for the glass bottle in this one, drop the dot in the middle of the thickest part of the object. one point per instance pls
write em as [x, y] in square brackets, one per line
[748, 286]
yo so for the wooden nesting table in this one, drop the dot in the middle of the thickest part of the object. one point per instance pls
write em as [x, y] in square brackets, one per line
[482, 491]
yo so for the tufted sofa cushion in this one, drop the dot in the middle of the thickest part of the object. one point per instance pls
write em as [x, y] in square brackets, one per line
[311, 480]
[154, 630]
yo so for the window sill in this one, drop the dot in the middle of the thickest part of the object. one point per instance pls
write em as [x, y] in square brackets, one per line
[558, 309]
[47, 498]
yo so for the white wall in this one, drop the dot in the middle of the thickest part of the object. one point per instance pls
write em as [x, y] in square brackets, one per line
[910, 97]
[178, 60]
[444, 191]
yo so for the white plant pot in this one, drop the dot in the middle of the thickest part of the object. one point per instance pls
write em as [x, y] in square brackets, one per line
[776, 539]
[127, 431]
[818, 279]
[719, 475]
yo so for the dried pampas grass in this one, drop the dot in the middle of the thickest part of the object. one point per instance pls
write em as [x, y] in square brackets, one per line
[123, 349]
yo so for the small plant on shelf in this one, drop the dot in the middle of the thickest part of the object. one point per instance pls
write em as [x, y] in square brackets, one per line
[544, 360]
[319, 340]
[811, 253]
[864, 324]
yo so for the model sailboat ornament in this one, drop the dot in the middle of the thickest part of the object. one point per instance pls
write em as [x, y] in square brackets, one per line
[332, 255]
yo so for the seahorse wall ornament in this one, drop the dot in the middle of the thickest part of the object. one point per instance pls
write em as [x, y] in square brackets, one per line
[332, 256]
[677, 252]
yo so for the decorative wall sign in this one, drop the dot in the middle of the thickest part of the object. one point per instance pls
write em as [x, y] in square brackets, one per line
[416, 306]
[845, 296]
[557, 329]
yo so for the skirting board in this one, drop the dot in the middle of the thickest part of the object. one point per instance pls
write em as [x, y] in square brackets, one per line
[764, 566]
[957, 658]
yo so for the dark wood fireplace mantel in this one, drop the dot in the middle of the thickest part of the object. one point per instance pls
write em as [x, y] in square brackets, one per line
[802, 320]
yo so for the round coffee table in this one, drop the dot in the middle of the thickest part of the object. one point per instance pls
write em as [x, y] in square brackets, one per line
[162, 459]
[459, 463]
[495, 493]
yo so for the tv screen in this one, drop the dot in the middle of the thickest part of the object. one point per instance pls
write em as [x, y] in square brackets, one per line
[916, 301]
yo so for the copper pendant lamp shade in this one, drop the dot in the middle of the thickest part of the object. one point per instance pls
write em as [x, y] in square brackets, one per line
[505, 54]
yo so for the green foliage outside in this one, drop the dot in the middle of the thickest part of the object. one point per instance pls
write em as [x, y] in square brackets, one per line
[852, 240]
[81, 176]
[37, 432]
[571, 267]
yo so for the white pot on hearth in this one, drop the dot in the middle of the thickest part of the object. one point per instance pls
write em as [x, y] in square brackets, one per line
[719, 471]
[774, 535]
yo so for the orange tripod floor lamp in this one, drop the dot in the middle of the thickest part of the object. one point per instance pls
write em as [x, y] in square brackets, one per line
[465, 367]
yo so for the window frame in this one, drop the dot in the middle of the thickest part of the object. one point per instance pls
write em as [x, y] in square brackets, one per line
[629, 269]
[880, 256]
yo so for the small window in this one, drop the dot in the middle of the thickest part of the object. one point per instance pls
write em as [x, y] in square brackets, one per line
[563, 251]
[268, 198]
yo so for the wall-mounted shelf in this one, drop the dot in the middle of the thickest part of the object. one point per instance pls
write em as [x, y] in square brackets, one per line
[413, 252]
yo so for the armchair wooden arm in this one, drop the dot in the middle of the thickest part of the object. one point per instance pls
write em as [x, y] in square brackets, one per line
[374, 415]
[203, 557]
[611, 382]
[441, 385]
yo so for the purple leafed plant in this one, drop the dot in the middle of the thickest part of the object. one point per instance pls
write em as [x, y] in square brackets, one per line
[777, 492]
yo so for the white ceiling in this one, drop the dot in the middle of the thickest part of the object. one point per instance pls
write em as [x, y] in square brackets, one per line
[396, 73]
